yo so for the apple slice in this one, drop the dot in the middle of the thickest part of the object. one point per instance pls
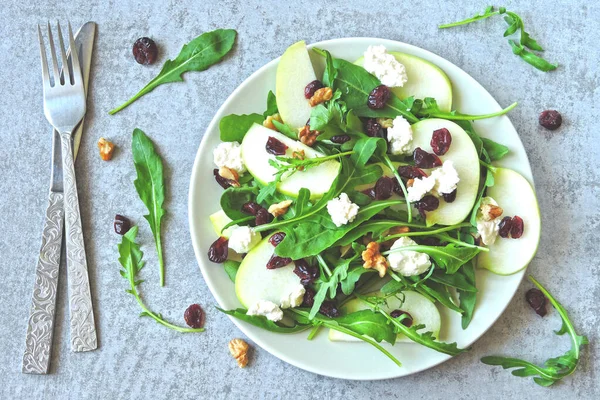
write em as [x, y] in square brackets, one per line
[218, 221]
[419, 307]
[516, 197]
[256, 159]
[463, 154]
[425, 79]
[255, 282]
[294, 72]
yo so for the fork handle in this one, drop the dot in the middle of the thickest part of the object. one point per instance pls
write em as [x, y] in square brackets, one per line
[83, 329]
[38, 342]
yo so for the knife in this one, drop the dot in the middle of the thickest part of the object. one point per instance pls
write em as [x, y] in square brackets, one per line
[38, 343]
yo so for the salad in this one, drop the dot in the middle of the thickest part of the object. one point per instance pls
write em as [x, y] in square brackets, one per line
[361, 203]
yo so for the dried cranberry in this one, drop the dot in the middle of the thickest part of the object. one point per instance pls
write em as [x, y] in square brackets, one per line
[537, 301]
[276, 238]
[340, 139]
[504, 227]
[225, 183]
[251, 208]
[441, 141]
[309, 297]
[424, 159]
[369, 192]
[329, 309]
[374, 128]
[194, 316]
[122, 224]
[145, 51]
[410, 172]
[550, 119]
[406, 321]
[311, 88]
[219, 250]
[307, 273]
[378, 97]
[384, 188]
[398, 188]
[427, 203]
[278, 262]
[449, 197]
[263, 217]
[516, 230]
[275, 146]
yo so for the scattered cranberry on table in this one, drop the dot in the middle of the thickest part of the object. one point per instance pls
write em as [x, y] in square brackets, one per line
[194, 316]
[537, 301]
[550, 119]
[122, 224]
[145, 51]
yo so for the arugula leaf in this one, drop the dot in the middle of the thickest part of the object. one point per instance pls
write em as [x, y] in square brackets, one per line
[233, 127]
[285, 129]
[329, 285]
[430, 109]
[468, 299]
[531, 58]
[231, 268]
[330, 71]
[271, 105]
[263, 322]
[349, 283]
[488, 12]
[150, 185]
[457, 280]
[554, 369]
[439, 293]
[367, 322]
[130, 258]
[197, 55]
[475, 138]
[375, 228]
[233, 198]
[495, 150]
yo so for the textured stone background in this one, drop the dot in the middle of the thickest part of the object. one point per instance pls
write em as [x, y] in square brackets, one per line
[139, 359]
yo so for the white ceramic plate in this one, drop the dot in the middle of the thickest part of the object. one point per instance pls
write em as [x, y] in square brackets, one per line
[352, 360]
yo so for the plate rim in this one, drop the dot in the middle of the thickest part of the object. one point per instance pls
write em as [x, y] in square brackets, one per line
[200, 253]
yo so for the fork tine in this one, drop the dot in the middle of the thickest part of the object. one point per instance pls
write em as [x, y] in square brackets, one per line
[65, 64]
[56, 74]
[45, 72]
[74, 58]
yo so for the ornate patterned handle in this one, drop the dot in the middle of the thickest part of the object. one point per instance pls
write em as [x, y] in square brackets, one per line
[83, 329]
[38, 341]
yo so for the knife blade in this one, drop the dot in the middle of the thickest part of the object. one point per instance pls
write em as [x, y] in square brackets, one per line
[38, 342]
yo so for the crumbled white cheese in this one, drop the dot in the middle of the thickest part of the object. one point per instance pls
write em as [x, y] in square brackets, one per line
[229, 154]
[294, 298]
[243, 239]
[446, 178]
[267, 309]
[420, 187]
[408, 263]
[385, 66]
[400, 136]
[342, 210]
[488, 230]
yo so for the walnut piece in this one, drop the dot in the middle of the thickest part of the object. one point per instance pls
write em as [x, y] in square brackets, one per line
[410, 182]
[321, 96]
[373, 259]
[398, 229]
[106, 149]
[229, 173]
[268, 122]
[239, 350]
[299, 155]
[280, 208]
[385, 123]
[307, 136]
[490, 212]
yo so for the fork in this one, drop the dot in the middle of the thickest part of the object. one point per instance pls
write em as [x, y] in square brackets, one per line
[64, 107]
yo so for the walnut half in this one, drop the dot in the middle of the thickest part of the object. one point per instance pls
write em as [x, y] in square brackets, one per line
[106, 149]
[239, 350]
[322, 95]
[268, 122]
[280, 208]
[373, 259]
[490, 212]
[307, 136]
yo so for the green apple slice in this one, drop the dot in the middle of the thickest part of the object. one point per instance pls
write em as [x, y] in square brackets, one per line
[219, 220]
[425, 79]
[294, 72]
[255, 282]
[516, 197]
[419, 307]
[463, 154]
[256, 159]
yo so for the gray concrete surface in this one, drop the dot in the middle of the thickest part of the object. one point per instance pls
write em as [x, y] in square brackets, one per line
[138, 358]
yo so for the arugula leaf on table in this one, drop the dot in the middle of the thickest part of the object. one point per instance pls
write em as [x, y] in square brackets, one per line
[197, 55]
[271, 105]
[263, 322]
[150, 185]
[468, 298]
[554, 369]
[130, 258]
[233, 198]
[231, 268]
[495, 150]
[430, 109]
[233, 127]
[515, 23]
